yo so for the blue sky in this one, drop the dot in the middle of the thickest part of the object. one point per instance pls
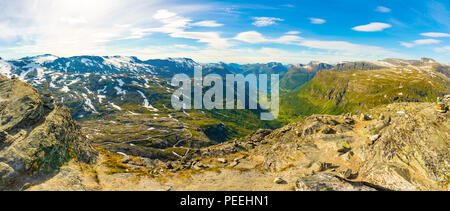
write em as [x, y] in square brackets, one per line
[230, 31]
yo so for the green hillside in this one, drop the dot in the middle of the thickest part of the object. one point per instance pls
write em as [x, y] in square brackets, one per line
[332, 92]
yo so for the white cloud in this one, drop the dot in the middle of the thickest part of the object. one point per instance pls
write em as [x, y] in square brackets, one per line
[407, 44]
[184, 46]
[211, 38]
[163, 14]
[262, 55]
[426, 41]
[343, 46]
[287, 39]
[382, 9]
[435, 34]
[265, 21]
[317, 21]
[443, 49]
[207, 24]
[372, 27]
[256, 37]
[175, 26]
[67, 28]
[85, 27]
[251, 37]
[293, 32]
[420, 42]
[8, 33]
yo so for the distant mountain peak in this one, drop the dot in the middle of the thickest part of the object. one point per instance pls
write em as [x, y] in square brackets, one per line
[41, 59]
[427, 60]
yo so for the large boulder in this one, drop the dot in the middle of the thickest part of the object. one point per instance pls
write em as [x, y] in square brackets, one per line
[405, 146]
[35, 140]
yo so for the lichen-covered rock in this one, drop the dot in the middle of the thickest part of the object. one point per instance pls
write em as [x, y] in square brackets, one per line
[413, 151]
[35, 140]
[258, 135]
[406, 150]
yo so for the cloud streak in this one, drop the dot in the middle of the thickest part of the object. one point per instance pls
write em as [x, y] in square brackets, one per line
[382, 9]
[372, 27]
[256, 37]
[435, 34]
[317, 21]
[420, 42]
[265, 21]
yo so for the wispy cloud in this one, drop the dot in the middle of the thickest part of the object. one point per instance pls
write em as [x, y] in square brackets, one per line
[256, 37]
[343, 46]
[205, 32]
[382, 9]
[293, 32]
[77, 27]
[288, 5]
[164, 14]
[420, 42]
[213, 39]
[372, 27]
[439, 13]
[207, 24]
[317, 21]
[175, 26]
[265, 21]
[435, 34]
[444, 49]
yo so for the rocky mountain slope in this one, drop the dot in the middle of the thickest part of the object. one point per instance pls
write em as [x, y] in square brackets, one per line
[400, 146]
[123, 106]
[36, 136]
[336, 92]
[300, 74]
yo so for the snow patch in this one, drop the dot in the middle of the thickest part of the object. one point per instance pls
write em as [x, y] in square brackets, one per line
[121, 83]
[120, 91]
[88, 103]
[116, 106]
[146, 103]
[101, 98]
[65, 89]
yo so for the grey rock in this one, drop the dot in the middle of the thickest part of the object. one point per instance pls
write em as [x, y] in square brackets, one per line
[222, 160]
[279, 180]
[374, 138]
[233, 164]
[52, 138]
[364, 117]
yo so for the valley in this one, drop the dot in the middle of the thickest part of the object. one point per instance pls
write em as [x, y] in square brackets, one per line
[349, 126]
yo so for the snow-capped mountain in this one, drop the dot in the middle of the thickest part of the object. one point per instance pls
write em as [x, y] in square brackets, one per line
[94, 85]
[86, 64]
[103, 65]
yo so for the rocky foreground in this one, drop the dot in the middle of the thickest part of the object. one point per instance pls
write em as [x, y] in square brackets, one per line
[37, 137]
[402, 146]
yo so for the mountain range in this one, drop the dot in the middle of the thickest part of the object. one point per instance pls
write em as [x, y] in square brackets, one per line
[123, 103]
[127, 126]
